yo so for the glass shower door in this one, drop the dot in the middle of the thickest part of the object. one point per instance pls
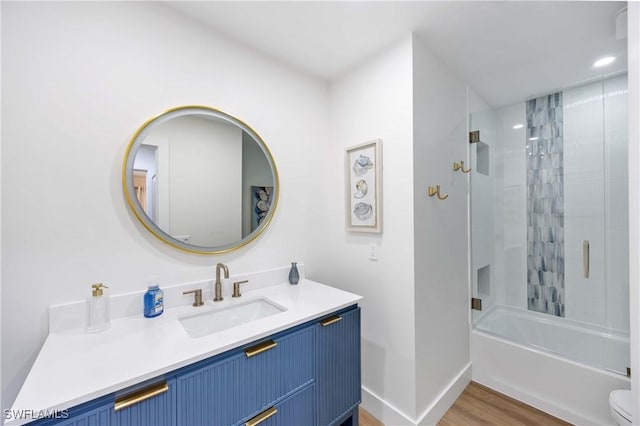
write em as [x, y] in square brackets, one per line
[482, 187]
[549, 225]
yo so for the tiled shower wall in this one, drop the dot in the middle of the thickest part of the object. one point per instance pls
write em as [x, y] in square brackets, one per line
[545, 205]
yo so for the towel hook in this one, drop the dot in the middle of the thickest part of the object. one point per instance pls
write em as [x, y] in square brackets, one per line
[460, 166]
[436, 191]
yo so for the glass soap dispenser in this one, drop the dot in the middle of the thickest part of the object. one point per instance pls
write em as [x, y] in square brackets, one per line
[98, 315]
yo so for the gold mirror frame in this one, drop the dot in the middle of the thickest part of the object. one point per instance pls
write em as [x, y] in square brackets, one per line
[150, 225]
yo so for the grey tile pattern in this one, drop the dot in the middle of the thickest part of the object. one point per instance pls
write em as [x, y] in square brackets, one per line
[545, 205]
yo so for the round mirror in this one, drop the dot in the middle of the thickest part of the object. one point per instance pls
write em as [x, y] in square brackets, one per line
[200, 180]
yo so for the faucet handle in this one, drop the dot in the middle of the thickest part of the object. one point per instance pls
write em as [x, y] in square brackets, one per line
[198, 296]
[236, 288]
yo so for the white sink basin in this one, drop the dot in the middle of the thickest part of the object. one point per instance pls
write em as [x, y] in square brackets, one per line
[213, 320]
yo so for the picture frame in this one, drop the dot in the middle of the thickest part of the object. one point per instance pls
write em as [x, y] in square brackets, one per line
[363, 187]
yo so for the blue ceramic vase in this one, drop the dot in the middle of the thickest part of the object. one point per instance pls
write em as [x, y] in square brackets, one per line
[294, 276]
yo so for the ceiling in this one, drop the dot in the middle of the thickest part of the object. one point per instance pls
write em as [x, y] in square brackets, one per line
[506, 51]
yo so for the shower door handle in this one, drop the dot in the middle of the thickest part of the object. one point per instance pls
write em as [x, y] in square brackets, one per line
[585, 258]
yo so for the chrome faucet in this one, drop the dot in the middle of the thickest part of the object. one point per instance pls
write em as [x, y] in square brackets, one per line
[218, 286]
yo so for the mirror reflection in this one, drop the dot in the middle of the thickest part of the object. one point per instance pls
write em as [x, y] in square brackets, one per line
[200, 180]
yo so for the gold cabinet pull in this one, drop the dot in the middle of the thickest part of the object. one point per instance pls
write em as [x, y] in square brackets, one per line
[258, 349]
[261, 417]
[140, 395]
[330, 320]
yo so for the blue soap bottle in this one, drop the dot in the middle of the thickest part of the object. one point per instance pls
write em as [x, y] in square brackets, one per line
[153, 301]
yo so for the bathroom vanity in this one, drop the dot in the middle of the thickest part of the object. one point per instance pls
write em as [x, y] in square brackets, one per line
[300, 366]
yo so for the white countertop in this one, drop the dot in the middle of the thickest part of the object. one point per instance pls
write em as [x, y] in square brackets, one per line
[74, 367]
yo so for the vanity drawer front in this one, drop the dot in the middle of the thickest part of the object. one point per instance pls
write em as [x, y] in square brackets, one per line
[210, 394]
[273, 373]
[226, 391]
[295, 410]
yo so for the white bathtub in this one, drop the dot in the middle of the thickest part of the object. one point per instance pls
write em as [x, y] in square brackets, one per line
[563, 367]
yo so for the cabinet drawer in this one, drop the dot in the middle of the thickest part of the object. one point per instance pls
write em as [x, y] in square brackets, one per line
[296, 410]
[275, 372]
[229, 390]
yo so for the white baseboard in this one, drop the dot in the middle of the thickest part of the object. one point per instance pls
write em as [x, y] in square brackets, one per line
[446, 398]
[382, 410]
[389, 415]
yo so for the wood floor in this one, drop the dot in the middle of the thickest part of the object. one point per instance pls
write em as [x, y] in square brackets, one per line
[481, 406]
[366, 419]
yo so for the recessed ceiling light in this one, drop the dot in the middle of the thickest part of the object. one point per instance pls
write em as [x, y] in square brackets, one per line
[518, 126]
[603, 62]
[535, 138]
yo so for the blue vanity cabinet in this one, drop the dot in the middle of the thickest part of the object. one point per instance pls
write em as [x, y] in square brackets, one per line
[93, 413]
[304, 376]
[247, 381]
[95, 417]
[152, 404]
[338, 368]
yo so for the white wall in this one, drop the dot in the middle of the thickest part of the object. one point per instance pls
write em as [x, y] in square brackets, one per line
[416, 307]
[634, 200]
[374, 101]
[441, 256]
[78, 79]
[2, 393]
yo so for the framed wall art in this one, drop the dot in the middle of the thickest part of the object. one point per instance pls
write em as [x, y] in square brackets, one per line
[262, 197]
[364, 187]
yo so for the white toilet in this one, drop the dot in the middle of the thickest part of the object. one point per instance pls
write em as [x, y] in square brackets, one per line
[620, 403]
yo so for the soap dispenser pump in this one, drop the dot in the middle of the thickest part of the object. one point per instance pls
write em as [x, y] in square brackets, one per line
[98, 315]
